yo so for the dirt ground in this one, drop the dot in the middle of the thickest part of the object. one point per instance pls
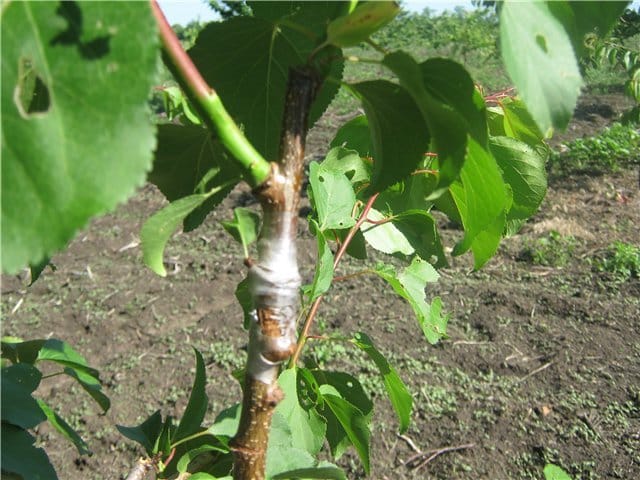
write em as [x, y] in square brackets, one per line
[542, 363]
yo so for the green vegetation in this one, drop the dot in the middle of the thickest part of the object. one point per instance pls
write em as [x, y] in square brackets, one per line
[553, 250]
[616, 147]
[622, 260]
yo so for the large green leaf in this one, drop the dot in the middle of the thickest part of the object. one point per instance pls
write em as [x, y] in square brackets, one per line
[18, 406]
[307, 426]
[282, 454]
[197, 406]
[352, 420]
[348, 161]
[324, 470]
[76, 367]
[385, 237]
[20, 455]
[523, 169]
[547, 76]
[481, 199]
[401, 399]
[90, 145]
[146, 434]
[189, 161]
[333, 197]
[64, 428]
[410, 285]
[251, 76]
[354, 135]
[312, 16]
[448, 102]
[399, 135]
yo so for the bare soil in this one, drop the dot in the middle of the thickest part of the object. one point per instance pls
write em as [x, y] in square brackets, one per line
[542, 364]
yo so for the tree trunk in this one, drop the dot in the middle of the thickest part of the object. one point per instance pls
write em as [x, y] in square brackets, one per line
[274, 283]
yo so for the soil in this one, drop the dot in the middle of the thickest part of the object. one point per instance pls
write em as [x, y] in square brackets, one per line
[542, 363]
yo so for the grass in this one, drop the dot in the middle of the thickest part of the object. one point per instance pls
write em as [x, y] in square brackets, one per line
[553, 250]
[621, 260]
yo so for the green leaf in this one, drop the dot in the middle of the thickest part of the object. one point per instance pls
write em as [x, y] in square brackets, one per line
[400, 398]
[448, 102]
[76, 367]
[333, 197]
[523, 169]
[547, 77]
[481, 200]
[354, 135]
[259, 63]
[64, 428]
[346, 386]
[519, 124]
[62, 164]
[189, 160]
[323, 275]
[146, 434]
[354, 423]
[227, 421]
[362, 22]
[307, 427]
[322, 471]
[157, 230]
[37, 269]
[206, 476]
[186, 459]
[399, 135]
[18, 406]
[163, 442]
[197, 406]
[245, 299]
[244, 227]
[17, 446]
[420, 229]
[553, 472]
[410, 285]
[384, 237]
[349, 162]
[23, 352]
[282, 455]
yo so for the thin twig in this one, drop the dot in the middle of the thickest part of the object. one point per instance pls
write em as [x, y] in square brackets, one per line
[537, 370]
[433, 454]
[410, 442]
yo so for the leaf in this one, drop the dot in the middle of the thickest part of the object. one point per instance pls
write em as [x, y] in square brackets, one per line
[62, 164]
[399, 135]
[157, 230]
[400, 398]
[420, 230]
[323, 274]
[547, 77]
[245, 299]
[346, 386]
[244, 227]
[523, 169]
[189, 160]
[37, 269]
[333, 197]
[384, 237]
[354, 423]
[163, 442]
[18, 445]
[18, 406]
[186, 459]
[448, 102]
[553, 472]
[322, 471]
[519, 124]
[307, 427]
[146, 434]
[259, 63]
[362, 22]
[23, 352]
[481, 199]
[410, 285]
[354, 135]
[197, 406]
[76, 367]
[64, 428]
[282, 455]
[348, 162]
[227, 421]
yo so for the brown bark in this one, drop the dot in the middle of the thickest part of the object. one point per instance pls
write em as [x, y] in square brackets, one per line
[274, 282]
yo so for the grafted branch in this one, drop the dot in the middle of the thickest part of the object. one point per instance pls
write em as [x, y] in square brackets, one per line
[274, 282]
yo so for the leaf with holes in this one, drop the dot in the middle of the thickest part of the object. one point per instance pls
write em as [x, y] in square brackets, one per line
[62, 164]
[333, 197]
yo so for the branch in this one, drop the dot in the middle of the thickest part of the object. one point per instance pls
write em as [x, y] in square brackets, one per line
[208, 103]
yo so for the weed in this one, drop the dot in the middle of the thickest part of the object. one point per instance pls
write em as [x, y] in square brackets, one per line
[621, 260]
[616, 147]
[554, 250]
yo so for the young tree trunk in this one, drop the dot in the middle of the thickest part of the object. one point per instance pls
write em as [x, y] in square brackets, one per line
[274, 283]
